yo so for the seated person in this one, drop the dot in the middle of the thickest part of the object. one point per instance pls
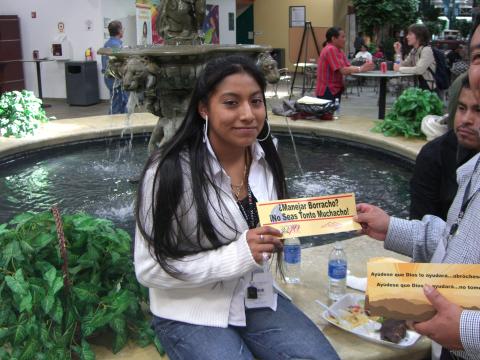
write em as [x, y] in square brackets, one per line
[434, 183]
[461, 63]
[333, 66]
[363, 53]
[455, 55]
[420, 60]
[379, 53]
[198, 244]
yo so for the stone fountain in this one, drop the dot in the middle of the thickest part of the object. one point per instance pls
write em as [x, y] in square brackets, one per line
[166, 74]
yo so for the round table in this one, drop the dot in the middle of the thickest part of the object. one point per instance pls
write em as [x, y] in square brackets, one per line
[39, 74]
[383, 76]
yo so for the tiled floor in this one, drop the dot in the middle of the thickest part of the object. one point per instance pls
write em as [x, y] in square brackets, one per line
[357, 101]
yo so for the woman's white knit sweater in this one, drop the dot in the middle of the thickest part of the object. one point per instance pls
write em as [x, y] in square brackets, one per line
[212, 283]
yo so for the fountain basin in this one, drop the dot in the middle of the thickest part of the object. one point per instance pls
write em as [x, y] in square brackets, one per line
[99, 177]
[58, 132]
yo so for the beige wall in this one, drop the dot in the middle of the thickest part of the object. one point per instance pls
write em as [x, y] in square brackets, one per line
[271, 22]
[340, 13]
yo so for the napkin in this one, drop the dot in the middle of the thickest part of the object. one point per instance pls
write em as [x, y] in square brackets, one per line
[357, 283]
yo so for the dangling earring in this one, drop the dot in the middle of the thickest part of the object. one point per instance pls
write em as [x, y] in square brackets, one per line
[205, 129]
[268, 132]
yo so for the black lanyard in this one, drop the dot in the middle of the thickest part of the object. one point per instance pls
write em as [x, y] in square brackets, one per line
[465, 201]
[249, 211]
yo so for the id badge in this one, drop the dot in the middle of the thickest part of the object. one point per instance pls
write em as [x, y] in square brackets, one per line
[259, 292]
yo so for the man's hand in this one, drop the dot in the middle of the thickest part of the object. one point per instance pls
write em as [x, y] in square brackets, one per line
[374, 221]
[368, 66]
[444, 327]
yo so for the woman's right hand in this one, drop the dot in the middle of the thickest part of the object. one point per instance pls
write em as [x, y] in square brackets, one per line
[397, 47]
[265, 239]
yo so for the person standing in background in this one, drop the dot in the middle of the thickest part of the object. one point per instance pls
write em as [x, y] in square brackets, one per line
[118, 97]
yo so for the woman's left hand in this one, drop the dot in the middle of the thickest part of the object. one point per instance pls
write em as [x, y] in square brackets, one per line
[265, 239]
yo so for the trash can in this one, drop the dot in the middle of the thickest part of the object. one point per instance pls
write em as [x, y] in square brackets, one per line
[82, 82]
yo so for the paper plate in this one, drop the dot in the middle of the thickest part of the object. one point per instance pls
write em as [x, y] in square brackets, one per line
[364, 331]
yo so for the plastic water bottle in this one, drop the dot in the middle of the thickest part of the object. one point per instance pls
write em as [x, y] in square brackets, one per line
[337, 109]
[337, 272]
[292, 255]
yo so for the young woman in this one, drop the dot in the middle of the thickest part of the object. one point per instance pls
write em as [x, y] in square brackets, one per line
[198, 248]
[420, 60]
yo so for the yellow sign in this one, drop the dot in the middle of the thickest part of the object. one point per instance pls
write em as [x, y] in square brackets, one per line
[395, 290]
[310, 216]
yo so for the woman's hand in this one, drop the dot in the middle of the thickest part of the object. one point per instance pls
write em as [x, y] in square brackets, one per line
[265, 239]
[374, 221]
[396, 67]
[397, 47]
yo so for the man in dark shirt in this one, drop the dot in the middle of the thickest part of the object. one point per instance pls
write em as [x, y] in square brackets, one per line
[434, 183]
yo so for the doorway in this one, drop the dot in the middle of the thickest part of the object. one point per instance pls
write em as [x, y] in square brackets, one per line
[245, 25]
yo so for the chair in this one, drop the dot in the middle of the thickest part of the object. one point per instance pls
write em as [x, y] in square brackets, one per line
[350, 83]
[285, 79]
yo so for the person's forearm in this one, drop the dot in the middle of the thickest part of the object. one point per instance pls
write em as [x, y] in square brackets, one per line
[351, 70]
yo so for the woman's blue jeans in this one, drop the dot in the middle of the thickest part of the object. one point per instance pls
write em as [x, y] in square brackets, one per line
[283, 334]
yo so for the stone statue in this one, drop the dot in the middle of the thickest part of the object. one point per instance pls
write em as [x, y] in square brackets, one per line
[180, 21]
[139, 74]
[167, 85]
[269, 67]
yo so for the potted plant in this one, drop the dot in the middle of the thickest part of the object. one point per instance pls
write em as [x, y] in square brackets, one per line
[405, 117]
[21, 112]
[57, 295]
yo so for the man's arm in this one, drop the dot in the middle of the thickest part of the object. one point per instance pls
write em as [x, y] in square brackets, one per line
[357, 69]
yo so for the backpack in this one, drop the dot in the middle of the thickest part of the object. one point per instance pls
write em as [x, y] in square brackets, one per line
[442, 72]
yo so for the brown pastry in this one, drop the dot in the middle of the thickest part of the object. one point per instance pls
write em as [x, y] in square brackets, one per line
[393, 330]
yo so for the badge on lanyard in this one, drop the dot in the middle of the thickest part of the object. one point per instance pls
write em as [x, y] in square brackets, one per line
[259, 292]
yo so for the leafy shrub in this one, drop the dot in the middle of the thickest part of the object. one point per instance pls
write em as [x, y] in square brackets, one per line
[41, 316]
[20, 113]
[405, 117]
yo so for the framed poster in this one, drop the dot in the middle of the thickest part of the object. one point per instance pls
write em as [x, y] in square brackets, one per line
[297, 16]
[210, 25]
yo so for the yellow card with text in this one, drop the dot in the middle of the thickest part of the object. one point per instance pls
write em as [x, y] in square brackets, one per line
[310, 216]
[395, 289]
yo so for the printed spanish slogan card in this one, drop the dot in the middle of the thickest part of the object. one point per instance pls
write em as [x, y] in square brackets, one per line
[310, 216]
[395, 289]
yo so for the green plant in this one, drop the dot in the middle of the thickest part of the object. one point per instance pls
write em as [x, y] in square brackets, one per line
[461, 25]
[384, 16]
[407, 113]
[20, 113]
[47, 315]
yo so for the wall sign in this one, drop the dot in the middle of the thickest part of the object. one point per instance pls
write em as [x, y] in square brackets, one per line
[297, 16]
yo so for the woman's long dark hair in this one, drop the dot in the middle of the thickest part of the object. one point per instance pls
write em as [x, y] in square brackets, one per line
[168, 240]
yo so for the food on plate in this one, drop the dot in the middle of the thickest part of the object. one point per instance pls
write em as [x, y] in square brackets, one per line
[393, 330]
[355, 316]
